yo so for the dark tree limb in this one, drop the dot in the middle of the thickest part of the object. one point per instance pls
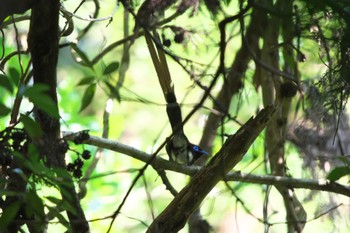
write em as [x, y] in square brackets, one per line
[273, 93]
[43, 41]
[10, 7]
[174, 217]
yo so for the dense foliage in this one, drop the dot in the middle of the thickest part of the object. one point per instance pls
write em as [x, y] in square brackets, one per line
[251, 94]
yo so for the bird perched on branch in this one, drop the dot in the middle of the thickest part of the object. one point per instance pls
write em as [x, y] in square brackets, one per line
[178, 146]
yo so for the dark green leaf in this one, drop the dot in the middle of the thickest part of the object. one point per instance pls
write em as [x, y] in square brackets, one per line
[88, 96]
[227, 2]
[111, 68]
[338, 173]
[14, 75]
[4, 111]
[54, 200]
[5, 83]
[8, 214]
[80, 57]
[86, 81]
[38, 96]
[114, 92]
[55, 213]
[25, 163]
[62, 204]
[31, 127]
[34, 204]
[35, 89]
[45, 103]
[61, 172]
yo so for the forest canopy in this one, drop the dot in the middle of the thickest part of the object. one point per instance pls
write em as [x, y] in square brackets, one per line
[167, 116]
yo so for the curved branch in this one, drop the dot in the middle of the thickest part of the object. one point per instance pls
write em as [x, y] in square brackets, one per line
[160, 163]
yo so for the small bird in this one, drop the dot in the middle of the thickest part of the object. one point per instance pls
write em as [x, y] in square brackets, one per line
[178, 147]
[180, 150]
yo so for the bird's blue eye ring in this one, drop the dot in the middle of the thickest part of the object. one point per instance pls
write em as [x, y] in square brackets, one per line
[196, 148]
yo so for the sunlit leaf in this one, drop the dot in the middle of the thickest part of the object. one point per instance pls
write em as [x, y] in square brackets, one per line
[338, 173]
[88, 96]
[80, 57]
[86, 81]
[32, 128]
[111, 68]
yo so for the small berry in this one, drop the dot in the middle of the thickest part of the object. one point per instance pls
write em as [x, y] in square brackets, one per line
[81, 137]
[70, 167]
[179, 38]
[86, 154]
[85, 134]
[166, 42]
[18, 136]
[78, 163]
[77, 173]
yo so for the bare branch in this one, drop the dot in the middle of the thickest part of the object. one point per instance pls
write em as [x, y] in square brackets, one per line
[321, 184]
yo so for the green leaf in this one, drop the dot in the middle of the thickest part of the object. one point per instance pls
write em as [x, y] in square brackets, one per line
[8, 214]
[86, 81]
[5, 83]
[111, 68]
[114, 92]
[31, 127]
[227, 2]
[14, 75]
[88, 96]
[338, 173]
[80, 57]
[55, 213]
[37, 94]
[62, 173]
[4, 111]
[34, 204]
[45, 103]
[62, 204]
[35, 89]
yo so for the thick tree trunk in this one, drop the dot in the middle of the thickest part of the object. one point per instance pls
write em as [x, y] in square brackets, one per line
[43, 41]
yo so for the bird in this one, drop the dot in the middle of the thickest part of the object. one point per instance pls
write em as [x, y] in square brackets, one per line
[178, 147]
[180, 150]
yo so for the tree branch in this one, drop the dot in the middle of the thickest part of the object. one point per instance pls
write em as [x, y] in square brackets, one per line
[320, 184]
[175, 215]
[43, 40]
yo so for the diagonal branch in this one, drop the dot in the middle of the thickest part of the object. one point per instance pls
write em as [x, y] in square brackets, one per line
[174, 217]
